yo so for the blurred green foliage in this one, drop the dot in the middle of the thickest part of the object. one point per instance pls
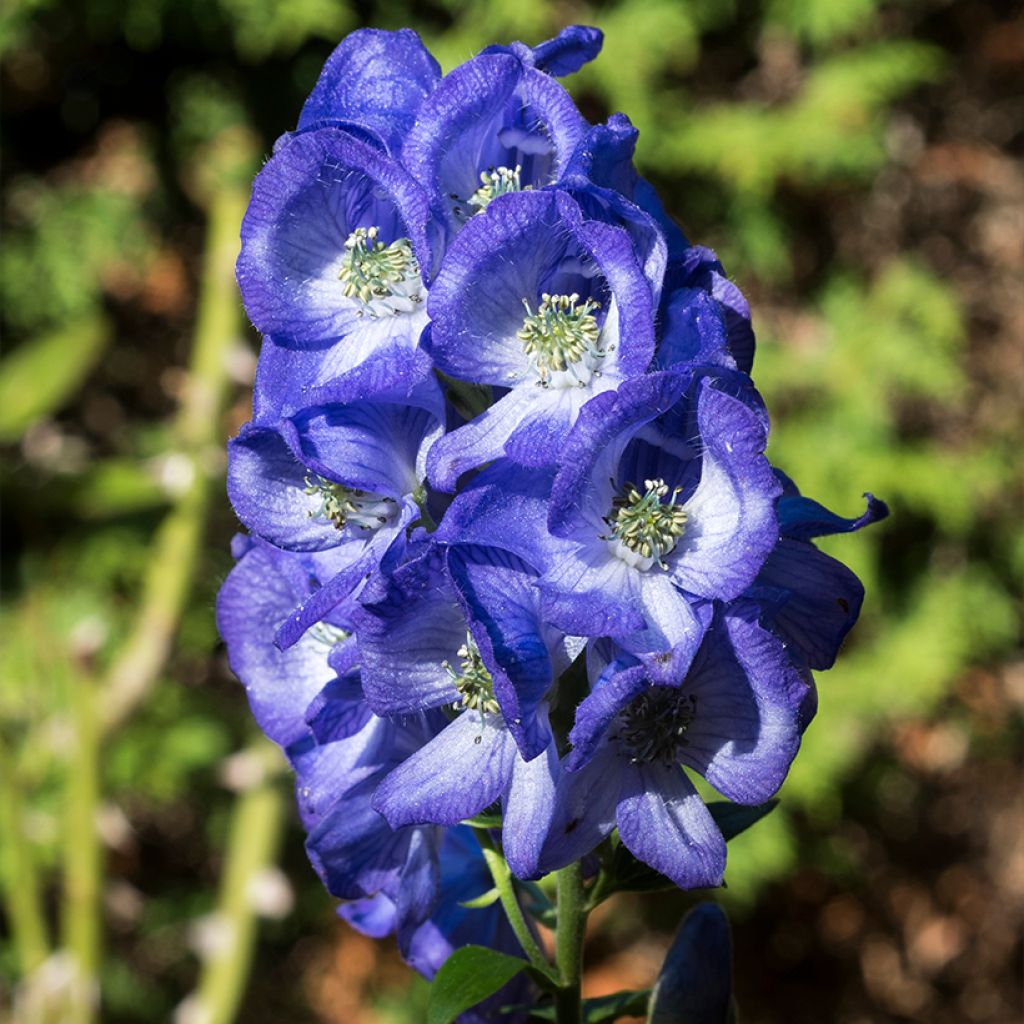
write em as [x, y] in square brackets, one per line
[757, 124]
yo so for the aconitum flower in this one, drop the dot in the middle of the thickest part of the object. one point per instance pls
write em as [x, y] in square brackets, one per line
[553, 307]
[519, 565]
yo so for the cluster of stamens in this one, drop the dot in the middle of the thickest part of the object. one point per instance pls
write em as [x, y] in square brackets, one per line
[652, 728]
[345, 506]
[644, 528]
[472, 680]
[384, 278]
[495, 181]
[561, 340]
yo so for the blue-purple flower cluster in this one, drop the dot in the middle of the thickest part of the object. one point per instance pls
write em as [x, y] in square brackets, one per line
[503, 425]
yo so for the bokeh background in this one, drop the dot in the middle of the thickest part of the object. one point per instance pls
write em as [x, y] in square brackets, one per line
[856, 163]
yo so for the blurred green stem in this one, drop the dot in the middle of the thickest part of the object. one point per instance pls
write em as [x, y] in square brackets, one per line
[253, 839]
[81, 912]
[176, 547]
[572, 925]
[18, 873]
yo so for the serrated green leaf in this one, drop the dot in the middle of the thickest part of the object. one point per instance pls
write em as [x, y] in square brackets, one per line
[466, 978]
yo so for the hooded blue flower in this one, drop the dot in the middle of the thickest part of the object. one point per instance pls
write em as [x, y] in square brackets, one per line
[535, 299]
[461, 630]
[335, 477]
[498, 124]
[735, 717]
[335, 254]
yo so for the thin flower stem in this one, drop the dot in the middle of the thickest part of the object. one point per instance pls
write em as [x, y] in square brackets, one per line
[254, 836]
[507, 894]
[18, 873]
[572, 925]
[83, 854]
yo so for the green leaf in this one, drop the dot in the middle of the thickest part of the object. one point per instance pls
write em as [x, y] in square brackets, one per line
[41, 375]
[466, 978]
[732, 819]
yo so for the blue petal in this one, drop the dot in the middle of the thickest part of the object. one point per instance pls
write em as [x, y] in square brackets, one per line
[479, 441]
[377, 358]
[573, 47]
[338, 711]
[504, 508]
[527, 810]
[406, 638]
[501, 603]
[732, 524]
[374, 916]
[804, 519]
[353, 849]
[599, 709]
[823, 599]
[663, 822]
[462, 771]
[377, 79]
[748, 695]
[693, 330]
[255, 598]
[583, 813]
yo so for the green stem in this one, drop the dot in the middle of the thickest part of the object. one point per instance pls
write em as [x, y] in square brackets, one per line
[507, 894]
[83, 853]
[253, 839]
[18, 874]
[572, 924]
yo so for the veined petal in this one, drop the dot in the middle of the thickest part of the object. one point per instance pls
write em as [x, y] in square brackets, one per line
[731, 520]
[527, 810]
[407, 638]
[504, 508]
[824, 599]
[459, 773]
[663, 822]
[375, 78]
[479, 441]
[256, 598]
[583, 812]
[747, 721]
[501, 603]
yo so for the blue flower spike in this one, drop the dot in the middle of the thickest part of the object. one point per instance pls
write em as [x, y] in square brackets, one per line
[518, 568]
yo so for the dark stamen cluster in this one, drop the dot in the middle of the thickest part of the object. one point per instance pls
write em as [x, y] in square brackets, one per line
[652, 728]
